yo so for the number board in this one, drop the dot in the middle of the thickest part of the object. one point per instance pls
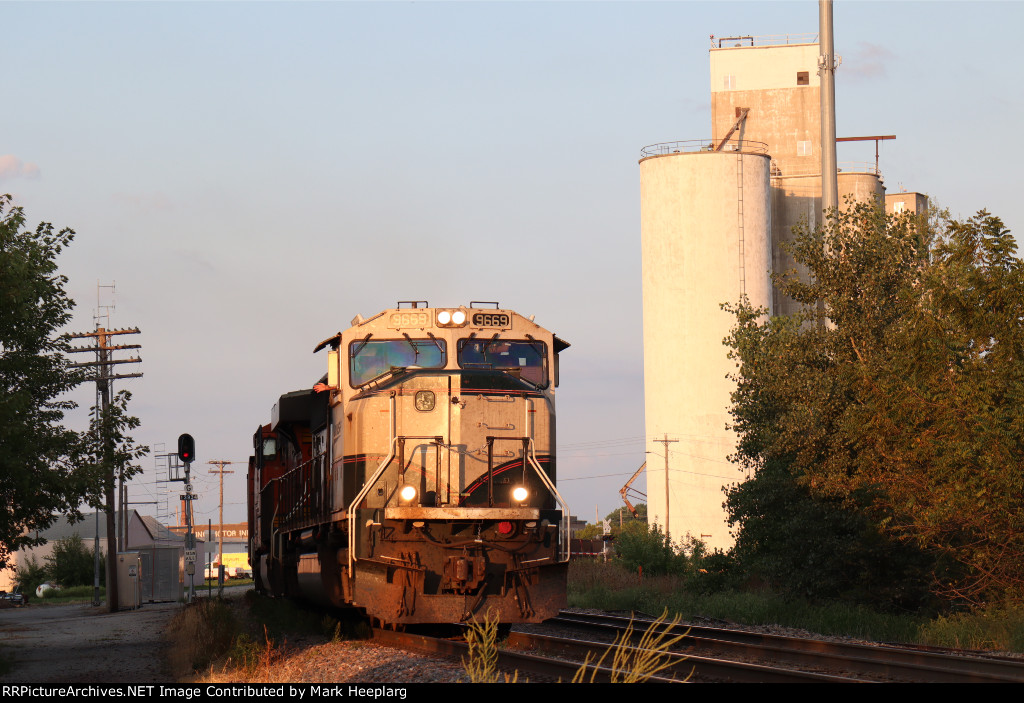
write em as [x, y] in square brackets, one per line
[407, 319]
[491, 319]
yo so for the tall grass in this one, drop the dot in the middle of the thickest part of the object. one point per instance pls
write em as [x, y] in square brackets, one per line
[481, 660]
[997, 627]
[636, 664]
[201, 633]
[612, 587]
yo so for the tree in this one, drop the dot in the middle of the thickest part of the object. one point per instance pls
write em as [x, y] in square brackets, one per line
[891, 403]
[620, 517]
[113, 452]
[40, 471]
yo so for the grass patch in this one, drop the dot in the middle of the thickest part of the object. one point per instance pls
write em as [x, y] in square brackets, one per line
[201, 633]
[611, 587]
[996, 627]
[247, 638]
[68, 596]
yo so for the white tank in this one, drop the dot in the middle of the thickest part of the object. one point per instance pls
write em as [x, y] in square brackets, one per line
[705, 233]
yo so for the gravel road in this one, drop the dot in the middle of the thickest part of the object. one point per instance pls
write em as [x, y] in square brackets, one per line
[86, 644]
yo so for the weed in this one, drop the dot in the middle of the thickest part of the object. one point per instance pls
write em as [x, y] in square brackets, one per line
[630, 664]
[481, 662]
[250, 656]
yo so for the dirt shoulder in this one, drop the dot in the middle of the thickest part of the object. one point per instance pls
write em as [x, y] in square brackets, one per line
[86, 644]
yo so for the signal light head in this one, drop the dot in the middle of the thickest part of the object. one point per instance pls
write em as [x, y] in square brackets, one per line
[186, 448]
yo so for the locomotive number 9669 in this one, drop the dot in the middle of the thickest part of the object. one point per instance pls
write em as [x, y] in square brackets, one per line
[399, 320]
[490, 319]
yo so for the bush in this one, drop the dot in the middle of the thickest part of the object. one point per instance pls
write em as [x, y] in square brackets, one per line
[646, 547]
[72, 563]
[29, 575]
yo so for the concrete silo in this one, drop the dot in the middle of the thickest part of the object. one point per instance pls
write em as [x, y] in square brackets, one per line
[705, 237]
[796, 200]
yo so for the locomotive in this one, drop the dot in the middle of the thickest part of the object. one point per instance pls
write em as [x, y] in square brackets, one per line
[417, 480]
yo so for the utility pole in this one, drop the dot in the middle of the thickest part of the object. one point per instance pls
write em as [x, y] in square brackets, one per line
[103, 379]
[827, 76]
[220, 530]
[666, 442]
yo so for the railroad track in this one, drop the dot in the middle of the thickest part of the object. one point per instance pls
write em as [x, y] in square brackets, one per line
[715, 650]
[716, 654]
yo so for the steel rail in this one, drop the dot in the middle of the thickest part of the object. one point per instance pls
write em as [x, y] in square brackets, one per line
[525, 659]
[861, 659]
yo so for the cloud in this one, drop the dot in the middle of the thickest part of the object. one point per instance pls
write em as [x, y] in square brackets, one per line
[13, 167]
[867, 61]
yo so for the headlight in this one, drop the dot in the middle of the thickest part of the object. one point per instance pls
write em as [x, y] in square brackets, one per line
[407, 494]
[451, 318]
[520, 494]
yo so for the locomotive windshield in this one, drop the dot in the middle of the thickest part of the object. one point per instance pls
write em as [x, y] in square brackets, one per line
[369, 359]
[523, 358]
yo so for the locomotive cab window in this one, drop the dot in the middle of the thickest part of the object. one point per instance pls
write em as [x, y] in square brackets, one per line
[524, 359]
[370, 359]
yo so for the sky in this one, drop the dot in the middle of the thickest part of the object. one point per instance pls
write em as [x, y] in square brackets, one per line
[250, 176]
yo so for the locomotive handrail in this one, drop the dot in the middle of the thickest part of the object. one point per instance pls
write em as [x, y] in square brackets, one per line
[564, 526]
[366, 489]
[297, 499]
[530, 455]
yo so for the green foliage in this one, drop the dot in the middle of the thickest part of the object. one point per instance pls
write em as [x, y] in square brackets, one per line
[45, 469]
[590, 532]
[112, 452]
[40, 470]
[611, 587]
[996, 627]
[646, 547]
[885, 422]
[620, 518]
[71, 563]
[75, 594]
[29, 575]
[821, 547]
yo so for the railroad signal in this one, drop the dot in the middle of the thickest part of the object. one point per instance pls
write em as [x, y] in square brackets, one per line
[186, 448]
